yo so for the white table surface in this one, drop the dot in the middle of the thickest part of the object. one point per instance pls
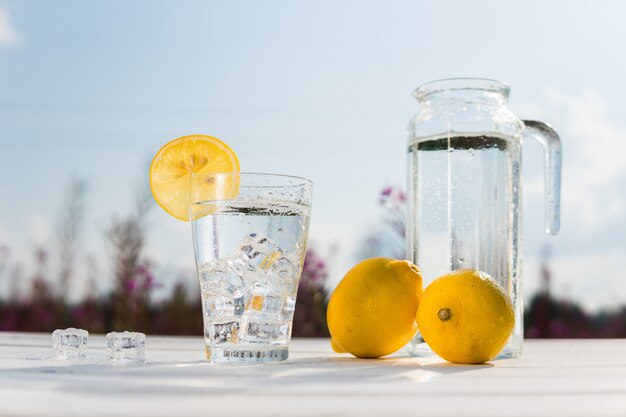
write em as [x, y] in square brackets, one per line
[552, 378]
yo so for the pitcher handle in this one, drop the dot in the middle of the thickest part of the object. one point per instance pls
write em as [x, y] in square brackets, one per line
[549, 139]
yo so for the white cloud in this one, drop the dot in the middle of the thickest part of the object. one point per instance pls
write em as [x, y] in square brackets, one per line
[8, 34]
[590, 247]
[597, 163]
[594, 165]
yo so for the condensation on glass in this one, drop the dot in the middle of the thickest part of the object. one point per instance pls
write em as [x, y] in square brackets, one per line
[465, 190]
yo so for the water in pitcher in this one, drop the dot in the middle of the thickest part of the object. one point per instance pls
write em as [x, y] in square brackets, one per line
[465, 213]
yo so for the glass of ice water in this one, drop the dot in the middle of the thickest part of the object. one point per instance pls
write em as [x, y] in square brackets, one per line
[250, 242]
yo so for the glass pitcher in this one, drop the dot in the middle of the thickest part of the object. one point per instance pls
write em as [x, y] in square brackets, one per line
[465, 188]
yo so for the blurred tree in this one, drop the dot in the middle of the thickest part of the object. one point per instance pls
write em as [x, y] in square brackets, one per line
[68, 231]
[180, 313]
[134, 279]
[387, 237]
[129, 306]
[312, 301]
[41, 311]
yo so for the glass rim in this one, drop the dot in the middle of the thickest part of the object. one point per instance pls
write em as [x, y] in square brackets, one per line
[261, 174]
[254, 183]
[462, 83]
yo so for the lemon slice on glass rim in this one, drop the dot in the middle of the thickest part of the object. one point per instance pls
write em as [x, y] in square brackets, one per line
[181, 173]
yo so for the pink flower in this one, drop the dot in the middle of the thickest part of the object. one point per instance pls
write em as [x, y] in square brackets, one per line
[392, 197]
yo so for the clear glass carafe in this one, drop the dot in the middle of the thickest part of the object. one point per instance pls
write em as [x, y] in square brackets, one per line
[465, 187]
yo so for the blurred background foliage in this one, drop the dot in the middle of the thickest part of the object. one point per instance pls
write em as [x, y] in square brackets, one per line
[45, 304]
[130, 304]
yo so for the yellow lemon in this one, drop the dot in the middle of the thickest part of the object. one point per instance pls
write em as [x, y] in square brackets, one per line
[372, 312]
[465, 317]
[181, 172]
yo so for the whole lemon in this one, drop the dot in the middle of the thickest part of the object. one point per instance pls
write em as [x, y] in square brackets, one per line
[466, 317]
[372, 312]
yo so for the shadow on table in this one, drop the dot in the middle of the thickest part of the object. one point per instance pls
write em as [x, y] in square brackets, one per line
[369, 370]
[201, 377]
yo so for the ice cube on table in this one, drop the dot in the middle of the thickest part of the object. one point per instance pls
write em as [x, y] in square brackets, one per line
[69, 343]
[124, 347]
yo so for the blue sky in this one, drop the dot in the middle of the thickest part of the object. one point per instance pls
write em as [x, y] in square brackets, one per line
[317, 89]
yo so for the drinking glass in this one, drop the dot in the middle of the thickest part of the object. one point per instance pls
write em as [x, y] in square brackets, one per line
[249, 242]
